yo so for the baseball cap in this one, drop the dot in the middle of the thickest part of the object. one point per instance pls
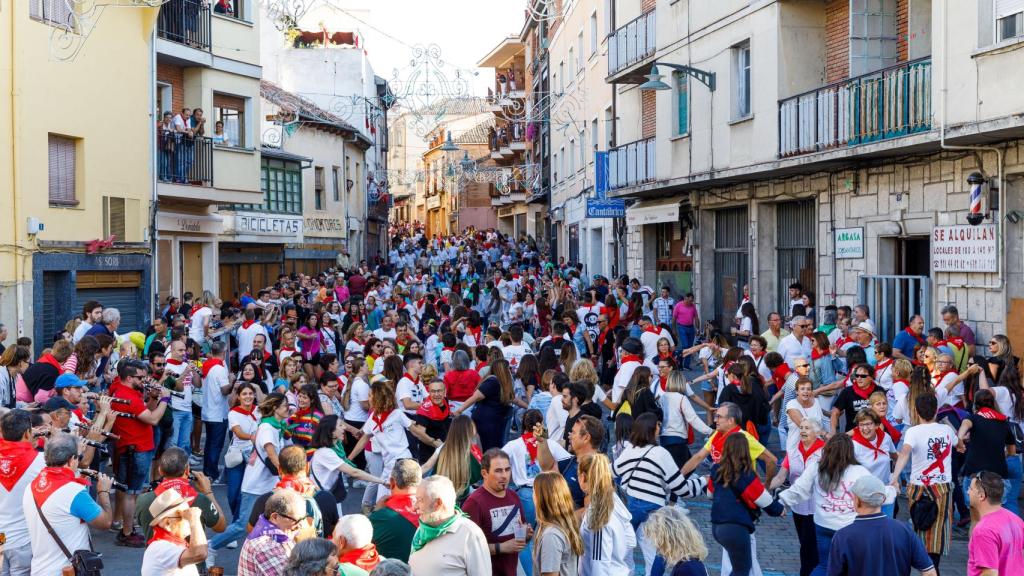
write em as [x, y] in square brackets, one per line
[69, 381]
[57, 403]
[869, 489]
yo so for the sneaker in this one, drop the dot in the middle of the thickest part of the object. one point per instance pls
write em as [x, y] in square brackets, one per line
[359, 484]
[211, 557]
[116, 526]
[232, 545]
[132, 540]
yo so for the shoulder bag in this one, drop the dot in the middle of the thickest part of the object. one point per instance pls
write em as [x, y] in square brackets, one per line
[85, 562]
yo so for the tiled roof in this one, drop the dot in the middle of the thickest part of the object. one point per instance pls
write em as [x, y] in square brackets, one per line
[477, 134]
[305, 109]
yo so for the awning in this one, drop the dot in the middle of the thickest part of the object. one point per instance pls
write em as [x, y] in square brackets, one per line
[653, 212]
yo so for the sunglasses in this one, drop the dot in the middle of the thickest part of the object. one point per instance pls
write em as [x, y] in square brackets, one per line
[862, 376]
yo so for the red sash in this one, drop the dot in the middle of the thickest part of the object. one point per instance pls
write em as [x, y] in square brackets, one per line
[476, 453]
[209, 364]
[379, 419]
[180, 485]
[160, 534]
[405, 506]
[531, 446]
[50, 480]
[875, 447]
[15, 459]
[808, 452]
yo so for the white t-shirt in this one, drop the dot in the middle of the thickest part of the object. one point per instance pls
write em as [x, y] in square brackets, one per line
[790, 348]
[246, 336]
[952, 397]
[382, 334]
[246, 424]
[883, 375]
[650, 342]
[161, 559]
[12, 515]
[622, 378]
[762, 367]
[555, 418]
[258, 479]
[215, 403]
[389, 439]
[411, 390]
[180, 400]
[815, 413]
[524, 471]
[588, 318]
[360, 393]
[878, 464]
[325, 465]
[514, 353]
[928, 442]
[60, 509]
[195, 327]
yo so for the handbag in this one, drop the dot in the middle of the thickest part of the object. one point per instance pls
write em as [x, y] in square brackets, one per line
[84, 562]
[233, 457]
[338, 490]
[925, 510]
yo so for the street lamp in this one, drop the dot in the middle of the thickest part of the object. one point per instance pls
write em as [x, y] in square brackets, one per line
[467, 164]
[449, 146]
[654, 79]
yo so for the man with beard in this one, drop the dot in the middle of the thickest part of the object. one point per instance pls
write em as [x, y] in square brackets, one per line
[434, 414]
[497, 510]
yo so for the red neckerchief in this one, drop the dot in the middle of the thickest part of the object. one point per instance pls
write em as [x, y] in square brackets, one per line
[476, 453]
[433, 412]
[50, 480]
[402, 343]
[883, 365]
[15, 459]
[249, 413]
[49, 359]
[303, 486]
[379, 419]
[806, 453]
[364, 558]
[160, 534]
[920, 339]
[875, 447]
[180, 485]
[780, 374]
[891, 431]
[173, 362]
[477, 334]
[652, 329]
[842, 341]
[718, 443]
[816, 354]
[955, 341]
[663, 382]
[991, 414]
[531, 446]
[81, 417]
[861, 393]
[247, 323]
[415, 381]
[758, 355]
[601, 337]
[405, 506]
[448, 349]
[196, 308]
[209, 364]
[938, 380]
[630, 358]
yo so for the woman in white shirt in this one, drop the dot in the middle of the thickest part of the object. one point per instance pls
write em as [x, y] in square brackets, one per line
[242, 422]
[608, 537]
[806, 456]
[801, 407]
[828, 485]
[874, 449]
[329, 460]
[679, 416]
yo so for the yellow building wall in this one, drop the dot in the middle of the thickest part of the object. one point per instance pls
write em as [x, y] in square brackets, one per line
[102, 97]
[236, 39]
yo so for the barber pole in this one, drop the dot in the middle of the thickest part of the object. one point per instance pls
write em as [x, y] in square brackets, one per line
[976, 182]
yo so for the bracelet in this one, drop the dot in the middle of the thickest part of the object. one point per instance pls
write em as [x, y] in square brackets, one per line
[107, 492]
[166, 400]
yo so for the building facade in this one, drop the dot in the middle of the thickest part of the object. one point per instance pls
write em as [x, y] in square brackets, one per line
[89, 236]
[826, 144]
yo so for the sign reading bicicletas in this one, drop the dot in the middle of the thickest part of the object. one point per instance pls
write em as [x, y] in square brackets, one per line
[286, 228]
[849, 243]
[965, 248]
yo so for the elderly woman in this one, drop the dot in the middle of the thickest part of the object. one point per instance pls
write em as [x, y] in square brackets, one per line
[313, 557]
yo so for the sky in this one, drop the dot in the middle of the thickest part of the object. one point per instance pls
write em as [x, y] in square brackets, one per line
[464, 31]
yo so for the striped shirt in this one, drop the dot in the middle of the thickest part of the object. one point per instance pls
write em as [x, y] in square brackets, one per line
[649, 473]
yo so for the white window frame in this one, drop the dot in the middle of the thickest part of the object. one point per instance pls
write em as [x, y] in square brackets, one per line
[595, 137]
[1003, 10]
[572, 156]
[593, 33]
[743, 89]
[579, 52]
[561, 77]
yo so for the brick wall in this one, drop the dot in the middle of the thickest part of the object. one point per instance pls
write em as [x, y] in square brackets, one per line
[175, 76]
[902, 30]
[648, 110]
[837, 40]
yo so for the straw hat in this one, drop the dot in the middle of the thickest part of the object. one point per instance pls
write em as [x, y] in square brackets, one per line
[167, 505]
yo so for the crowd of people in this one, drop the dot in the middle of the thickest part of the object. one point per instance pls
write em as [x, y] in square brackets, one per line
[501, 412]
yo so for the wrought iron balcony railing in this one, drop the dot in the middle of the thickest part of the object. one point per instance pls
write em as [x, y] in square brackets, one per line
[631, 43]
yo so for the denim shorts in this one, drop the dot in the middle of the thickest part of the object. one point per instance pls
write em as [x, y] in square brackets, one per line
[136, 474]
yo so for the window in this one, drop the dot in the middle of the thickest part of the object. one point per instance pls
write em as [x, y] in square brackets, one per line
[561, 77]
[336, 172]
[682, 96]
[594, 137]
[572, 158]
[593, 34]
[565, 174]
[1009, 19]
[554, 164]
[55, 12]
[572, 66]
[282, 186]
[579, 48]
[609, 129]
[62, 159]
[609, 22]
[873, 35]
[318, 187]
[741, 71]
[231, 111]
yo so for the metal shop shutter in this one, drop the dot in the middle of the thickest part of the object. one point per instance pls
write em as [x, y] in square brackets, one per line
[52, 318]
[114, 290]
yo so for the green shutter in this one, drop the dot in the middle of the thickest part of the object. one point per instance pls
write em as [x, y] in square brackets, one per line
[682, 104]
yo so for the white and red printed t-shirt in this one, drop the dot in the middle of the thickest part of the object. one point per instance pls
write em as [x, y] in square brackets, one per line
[413, 390]
[931, 453]
[514, 354]
[12, 490]
[68, 509]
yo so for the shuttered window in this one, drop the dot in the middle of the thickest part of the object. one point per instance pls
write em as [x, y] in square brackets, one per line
[114, 217]
[55, 12]
[1009, 19]
[62, 152]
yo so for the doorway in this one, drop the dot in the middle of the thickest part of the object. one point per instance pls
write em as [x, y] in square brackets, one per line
[913, 256]
[192, 267]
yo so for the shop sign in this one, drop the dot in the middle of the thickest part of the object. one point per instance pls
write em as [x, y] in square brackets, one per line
[849, 243]
[965, 248]
[315, 225]
[188, 223]
[286, 227]
[506, 212]
[613, 208]
[434, 202]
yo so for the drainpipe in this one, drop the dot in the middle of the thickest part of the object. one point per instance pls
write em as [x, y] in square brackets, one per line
[154, 197]
[19, 285]
[1001, 246]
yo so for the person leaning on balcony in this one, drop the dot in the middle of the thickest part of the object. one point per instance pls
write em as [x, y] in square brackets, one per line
[198, 122]
[224, 7]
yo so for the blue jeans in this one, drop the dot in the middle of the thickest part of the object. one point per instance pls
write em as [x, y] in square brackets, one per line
[181, 434]
[1010, 499]
[216, 432]
[735, 539]
[234, 479]
[530, 513]
[134, 471]
[686, 336]
[824, 538]
[639, 510]
[237, 528]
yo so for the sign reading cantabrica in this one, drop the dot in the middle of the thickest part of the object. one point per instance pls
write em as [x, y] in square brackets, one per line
[965, 248]
[849, 243]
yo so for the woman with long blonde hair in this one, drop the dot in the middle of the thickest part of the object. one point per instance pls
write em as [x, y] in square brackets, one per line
[557, 544]
[459, 457]
[608, 536]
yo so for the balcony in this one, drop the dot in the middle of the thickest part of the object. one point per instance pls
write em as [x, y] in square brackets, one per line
[185, 22]
[889, 103]
[185, 171]
[631, 164]
[630, 46]
[185, 161]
